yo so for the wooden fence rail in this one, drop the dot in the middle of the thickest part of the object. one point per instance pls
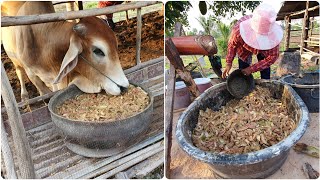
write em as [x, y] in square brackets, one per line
[52, 17]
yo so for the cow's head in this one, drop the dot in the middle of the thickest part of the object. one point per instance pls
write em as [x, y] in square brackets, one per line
[93, 55]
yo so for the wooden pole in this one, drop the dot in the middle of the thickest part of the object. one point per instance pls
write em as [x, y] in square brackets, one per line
[138, 37]
[20, 140]
[299, 12]
[6, 153]
[80, 5]
[52, 17]
[287, 30]
[169, 101]
[174, 58]
[304, 30]
[61, 2]
[70, 6]
[312, 26]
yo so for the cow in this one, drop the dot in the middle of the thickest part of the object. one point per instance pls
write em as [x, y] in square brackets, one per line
[57, 54]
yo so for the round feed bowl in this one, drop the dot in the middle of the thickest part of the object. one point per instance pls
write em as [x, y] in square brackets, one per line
[258, 164]
[99, 139]
[239, 85]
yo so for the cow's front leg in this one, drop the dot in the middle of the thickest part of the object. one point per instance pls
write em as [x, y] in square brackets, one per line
[40, 85]
[22, 76]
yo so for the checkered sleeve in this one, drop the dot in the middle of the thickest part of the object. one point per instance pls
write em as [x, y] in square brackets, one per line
[231, 47]
[270, 57]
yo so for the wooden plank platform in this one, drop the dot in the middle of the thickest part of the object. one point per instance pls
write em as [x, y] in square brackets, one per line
[53, 160]
[185, 167]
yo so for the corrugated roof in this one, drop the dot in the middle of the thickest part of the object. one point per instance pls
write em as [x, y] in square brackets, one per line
[289, 7]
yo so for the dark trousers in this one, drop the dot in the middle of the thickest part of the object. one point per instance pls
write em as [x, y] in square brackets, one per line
[265, 74]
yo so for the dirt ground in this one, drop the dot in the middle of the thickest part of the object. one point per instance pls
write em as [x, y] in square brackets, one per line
[151, 47]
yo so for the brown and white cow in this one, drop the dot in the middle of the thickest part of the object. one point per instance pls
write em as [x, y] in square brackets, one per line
[55, 55]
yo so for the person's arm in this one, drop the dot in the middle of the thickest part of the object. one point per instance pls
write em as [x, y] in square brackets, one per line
[232, 47]
[232, 50]
[272, 56]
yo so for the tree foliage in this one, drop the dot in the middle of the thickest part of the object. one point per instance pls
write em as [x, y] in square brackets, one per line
[230, 8]
[176, 11]
[193, 32]
[207, 24]
[223, 38]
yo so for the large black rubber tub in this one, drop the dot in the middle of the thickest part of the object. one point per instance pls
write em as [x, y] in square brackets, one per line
[307, 87]
[258, 164]
[99, 139]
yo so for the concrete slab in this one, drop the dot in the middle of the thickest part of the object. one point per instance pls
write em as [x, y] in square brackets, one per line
[183, 166]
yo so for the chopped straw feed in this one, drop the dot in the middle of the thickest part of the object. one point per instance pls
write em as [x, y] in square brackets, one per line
[104, 107]
[250, 124]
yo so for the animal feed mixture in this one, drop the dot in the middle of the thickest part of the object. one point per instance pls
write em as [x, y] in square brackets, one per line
[250, 124]
[104, 107]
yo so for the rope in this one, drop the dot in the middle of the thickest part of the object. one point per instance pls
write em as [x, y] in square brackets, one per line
[90, 64]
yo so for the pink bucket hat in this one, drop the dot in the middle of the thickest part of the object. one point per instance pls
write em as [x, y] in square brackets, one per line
[261, 31]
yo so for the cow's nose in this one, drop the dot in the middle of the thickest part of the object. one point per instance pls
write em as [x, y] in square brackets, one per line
[123, 89]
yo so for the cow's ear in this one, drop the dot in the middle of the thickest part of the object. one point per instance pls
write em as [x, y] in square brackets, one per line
[70, 60]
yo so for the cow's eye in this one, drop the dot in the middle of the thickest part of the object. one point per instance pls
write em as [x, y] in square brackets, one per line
[98, 52]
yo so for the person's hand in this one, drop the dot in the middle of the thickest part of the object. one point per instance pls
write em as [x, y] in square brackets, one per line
[226, 71]
[246, 71]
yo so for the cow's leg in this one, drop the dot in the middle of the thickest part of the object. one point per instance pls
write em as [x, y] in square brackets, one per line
[40, 85]
[22, 76]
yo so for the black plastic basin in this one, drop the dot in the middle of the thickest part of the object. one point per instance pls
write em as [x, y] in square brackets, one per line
[307, 86]
[258, 164]
[99, 139]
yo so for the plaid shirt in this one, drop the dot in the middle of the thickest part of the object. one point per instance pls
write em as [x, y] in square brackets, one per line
[236, 45]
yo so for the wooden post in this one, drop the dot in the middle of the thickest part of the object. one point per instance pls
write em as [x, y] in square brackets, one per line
[80, 5]
[20, 140]
[287, 30]
[6, 154]
[138, 37]
[305, 28]
[70, 6]
[169, 101]
[312, 26]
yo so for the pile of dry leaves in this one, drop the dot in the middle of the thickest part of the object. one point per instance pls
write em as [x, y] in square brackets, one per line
[255, 122]
[104, 107]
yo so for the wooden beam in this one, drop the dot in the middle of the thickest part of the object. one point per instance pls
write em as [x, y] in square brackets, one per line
[304, 31]
[62, 16]
[174, 58]
[61, 2]
[287, 31]
[298, 12]
[33, 100]
[138, 36]
[143, 65]
[169, 102]
[20, 140]
[6, 154]
[306, 10]
[308, 50]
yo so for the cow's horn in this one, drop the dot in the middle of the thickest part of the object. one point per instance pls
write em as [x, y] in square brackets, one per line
[80, 29]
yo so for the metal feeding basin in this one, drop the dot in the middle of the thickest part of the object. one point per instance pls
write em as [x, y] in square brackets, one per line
[99, 138]
[256, 164]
